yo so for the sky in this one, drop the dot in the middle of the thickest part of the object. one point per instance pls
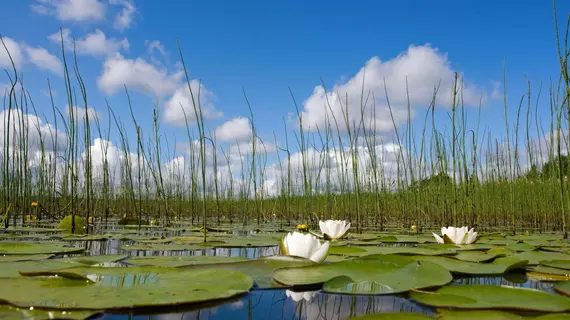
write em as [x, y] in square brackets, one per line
[269, 51]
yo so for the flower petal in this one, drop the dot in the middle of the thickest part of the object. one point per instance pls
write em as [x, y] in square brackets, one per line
[438, 238]
[321, 254]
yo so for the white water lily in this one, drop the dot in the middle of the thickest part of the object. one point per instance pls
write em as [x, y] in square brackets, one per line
[298, 296]
[454, 235]
[334, 229]
[304, 246]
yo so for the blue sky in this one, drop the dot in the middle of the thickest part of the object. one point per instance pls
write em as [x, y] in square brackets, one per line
[265, 47]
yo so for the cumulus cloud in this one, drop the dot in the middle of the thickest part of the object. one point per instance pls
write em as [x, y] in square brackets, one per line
[71, 10]
[420, 69]
[33, 128]
[94, 44]
[124, 19]
[137, 74]
[236, 129]
[14, 50]
[181, 103]
[43, 59]
[79, 113]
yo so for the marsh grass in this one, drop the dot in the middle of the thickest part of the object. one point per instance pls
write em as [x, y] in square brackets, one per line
[443, 174]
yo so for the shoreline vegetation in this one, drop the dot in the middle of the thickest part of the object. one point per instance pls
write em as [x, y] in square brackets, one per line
[443, 175]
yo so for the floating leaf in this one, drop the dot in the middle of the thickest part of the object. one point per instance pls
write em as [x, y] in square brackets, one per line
[165, 289]
[498, 266]
[475, 256]
[23, 248]
[551, 270]
[261, 269]
[497, 242]
[344, 250]
[393, 316]
[240, 242]
[374, 274]
[93, 260]
[26, 257]
[492, 297]
[10, 312]
[444, 314]
[560, 264]
[409, 251]
[179, 261]
[534, 257]
[520, 247]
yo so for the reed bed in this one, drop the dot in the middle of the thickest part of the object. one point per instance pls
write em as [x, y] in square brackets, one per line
[429, 176]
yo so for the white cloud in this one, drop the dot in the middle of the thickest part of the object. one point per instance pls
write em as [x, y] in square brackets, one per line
[32, 127]
[420, 68]
[95, 44]
[155, 45]
[181, 103]
[136, 74]
[44, 60]
[71, 10]
[14, 50]
[79, 113]
[236, 129]
[124, 19]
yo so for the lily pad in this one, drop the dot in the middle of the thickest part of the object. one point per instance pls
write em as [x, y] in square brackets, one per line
[492, 297]
[520, 247]
[534, 257]
[179, 261]
[477, 315]
[164, 289]
[260, 269]
[248, 242]
[23, 248]
[344, 250]
[26, 257]
[560, 264]
[498, 266]
[10, 312]
[409, 251]
[475, 256]
[393, 316]
[551, 270]
[374, 274]
[94, 260]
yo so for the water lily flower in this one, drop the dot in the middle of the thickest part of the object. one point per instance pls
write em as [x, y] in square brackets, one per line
[305, 246]
[298, 296]
[454, 235]
[303, 227]
[28, 218]
[414, 227]
[334, 229]
[35, 204]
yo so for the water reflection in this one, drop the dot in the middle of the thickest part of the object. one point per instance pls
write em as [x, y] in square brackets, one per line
[282, 304]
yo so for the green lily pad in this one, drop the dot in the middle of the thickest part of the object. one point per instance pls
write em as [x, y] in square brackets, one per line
[160, 290]
[393, 316]
[23, 248]
[444, 314]
[492, 297]
[560, 264]
[501, 251]
[475, 256]
[26, 257]
[498, 266]
[563, 288]
[17, 268]
[79, 237]
[456, 247]
[520, 247]
[534, 257]
[180, 261]
[260, 269]
[344, 250]
[10, 312]
[550, 270]
[408, 251]
[497, 242]
[374, 274]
